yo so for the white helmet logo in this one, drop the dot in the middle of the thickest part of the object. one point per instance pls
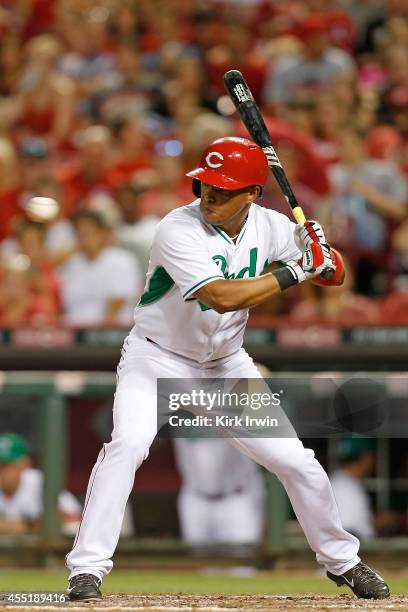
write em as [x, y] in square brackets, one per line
[213, 164]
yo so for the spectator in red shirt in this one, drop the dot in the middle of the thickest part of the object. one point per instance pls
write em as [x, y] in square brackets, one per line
[19, 304]
[131, 151]
[45, 104]
[31, 237]
[341, 28]
[29, 286]
[87, 174]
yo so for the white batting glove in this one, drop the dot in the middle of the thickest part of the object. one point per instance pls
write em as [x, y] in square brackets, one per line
[307, 233]
[315, 261]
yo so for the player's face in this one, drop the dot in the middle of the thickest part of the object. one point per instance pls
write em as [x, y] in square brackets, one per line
[220, 206]
[10, 474]
[91, 238]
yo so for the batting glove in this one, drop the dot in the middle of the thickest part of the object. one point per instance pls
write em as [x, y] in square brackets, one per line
[315, 261]
[308, 233]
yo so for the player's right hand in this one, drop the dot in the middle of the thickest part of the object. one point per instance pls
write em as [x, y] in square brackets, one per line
[315, 261]
[308, 233]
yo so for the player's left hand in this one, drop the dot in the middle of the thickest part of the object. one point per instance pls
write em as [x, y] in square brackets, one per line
[318, 260]
[308, 233]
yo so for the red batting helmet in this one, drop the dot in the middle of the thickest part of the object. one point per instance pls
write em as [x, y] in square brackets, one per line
[231, 163]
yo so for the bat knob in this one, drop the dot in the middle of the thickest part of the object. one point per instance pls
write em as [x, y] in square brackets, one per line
[326, 274]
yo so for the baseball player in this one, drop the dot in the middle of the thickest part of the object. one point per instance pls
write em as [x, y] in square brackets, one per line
[205, 272]
[221, 499]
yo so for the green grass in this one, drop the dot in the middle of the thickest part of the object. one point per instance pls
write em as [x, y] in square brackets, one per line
[137, 581]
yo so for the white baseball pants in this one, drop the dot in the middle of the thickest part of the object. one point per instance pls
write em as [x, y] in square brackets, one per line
[135, 426]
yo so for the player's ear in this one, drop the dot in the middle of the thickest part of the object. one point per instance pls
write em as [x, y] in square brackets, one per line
[255, 192]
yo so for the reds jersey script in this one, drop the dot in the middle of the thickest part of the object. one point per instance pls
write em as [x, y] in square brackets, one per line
[187, 254]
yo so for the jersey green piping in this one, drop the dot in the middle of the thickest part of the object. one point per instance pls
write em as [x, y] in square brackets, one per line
[242, 235]
[201, 282]
[160, 283]
[221, 233]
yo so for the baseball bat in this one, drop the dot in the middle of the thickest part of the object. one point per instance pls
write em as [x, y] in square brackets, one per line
[251, 117]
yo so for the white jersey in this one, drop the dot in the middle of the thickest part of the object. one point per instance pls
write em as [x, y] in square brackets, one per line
[27, 501]
[188, 253]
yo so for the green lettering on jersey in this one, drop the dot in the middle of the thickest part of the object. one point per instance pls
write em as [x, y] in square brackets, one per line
[223, 265]
[160, 283]
[251, 269]
[221, 262]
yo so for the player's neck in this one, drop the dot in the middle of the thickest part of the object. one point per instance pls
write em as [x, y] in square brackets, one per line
[233, 227]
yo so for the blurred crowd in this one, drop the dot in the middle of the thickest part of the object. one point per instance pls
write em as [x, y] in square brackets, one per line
[105, 104]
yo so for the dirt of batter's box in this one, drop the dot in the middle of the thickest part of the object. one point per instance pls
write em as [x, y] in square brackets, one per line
[253, 602]
[244, 603]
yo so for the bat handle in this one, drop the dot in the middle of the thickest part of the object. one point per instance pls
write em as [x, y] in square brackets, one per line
[299, 215]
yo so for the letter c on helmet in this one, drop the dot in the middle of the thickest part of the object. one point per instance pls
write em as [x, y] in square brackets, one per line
[212, 164]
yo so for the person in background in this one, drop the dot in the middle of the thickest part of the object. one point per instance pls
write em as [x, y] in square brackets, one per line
[44, 105]
[31, 237]
[136, 230]
[357, 461]
[222, 495]
[21, 491]
[318, 65]
[88, 61]
[131, 90]
[370, 197]
[33, 296]
[20, 303]
[86, 175]
[170, 188]
[221, 500]
[130, 149]
[100, 284]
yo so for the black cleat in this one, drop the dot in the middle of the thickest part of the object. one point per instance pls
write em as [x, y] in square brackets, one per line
[363, 581]
[84, 587]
